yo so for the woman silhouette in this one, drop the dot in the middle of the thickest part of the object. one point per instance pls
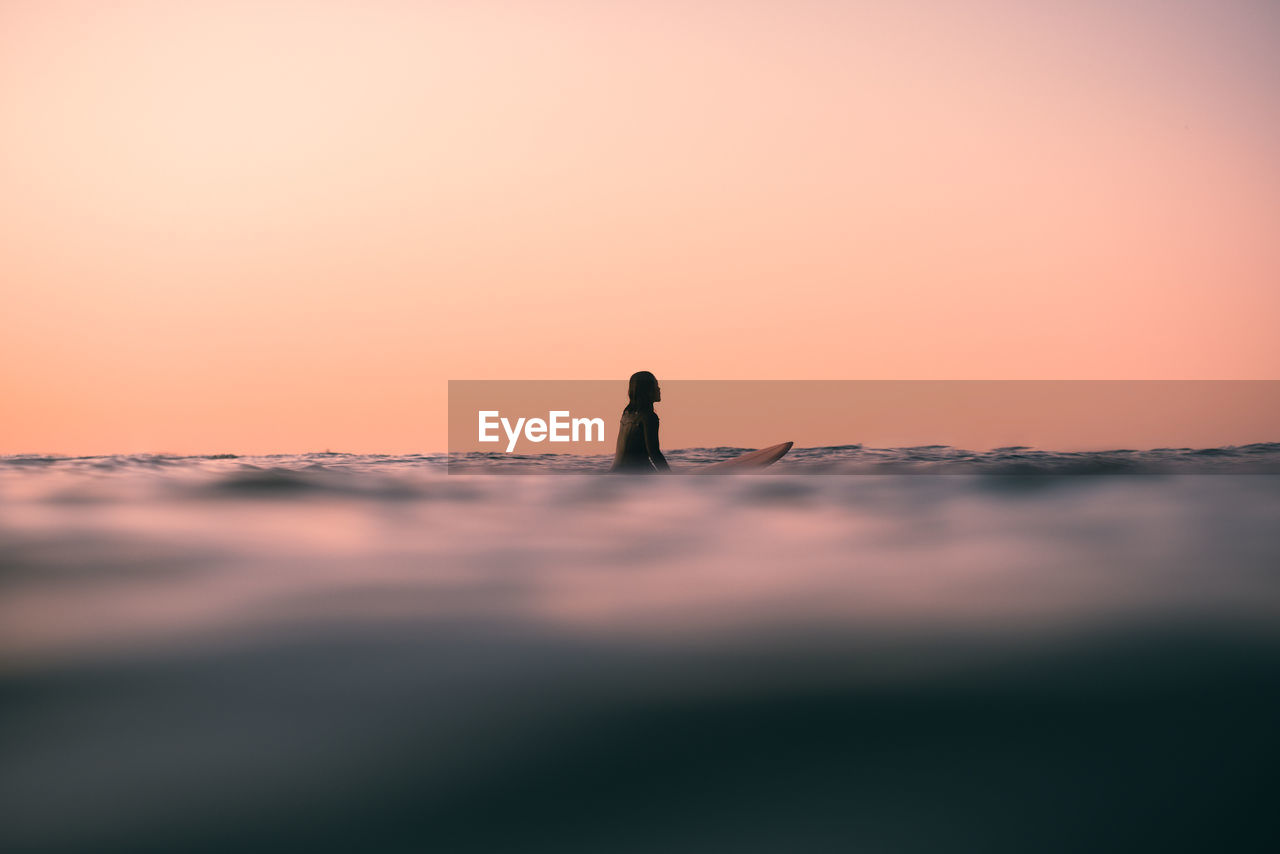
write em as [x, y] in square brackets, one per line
[638, 449]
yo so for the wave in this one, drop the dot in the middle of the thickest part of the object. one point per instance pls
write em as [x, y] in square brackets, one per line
[330, 471]
[327, 652]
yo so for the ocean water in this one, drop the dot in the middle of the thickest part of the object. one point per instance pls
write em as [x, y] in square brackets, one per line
[1257, 458]
[1014, 650]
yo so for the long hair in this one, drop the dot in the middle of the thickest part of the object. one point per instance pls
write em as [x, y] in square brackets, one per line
[641, 390]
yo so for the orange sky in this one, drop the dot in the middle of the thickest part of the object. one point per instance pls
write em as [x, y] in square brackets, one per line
[256, 226]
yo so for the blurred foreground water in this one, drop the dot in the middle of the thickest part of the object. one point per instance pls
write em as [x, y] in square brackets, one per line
[333, 652]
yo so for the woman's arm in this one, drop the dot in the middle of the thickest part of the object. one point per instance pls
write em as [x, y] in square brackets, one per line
[651, 444]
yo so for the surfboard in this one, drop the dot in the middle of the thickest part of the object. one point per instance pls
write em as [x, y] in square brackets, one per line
[747, 462]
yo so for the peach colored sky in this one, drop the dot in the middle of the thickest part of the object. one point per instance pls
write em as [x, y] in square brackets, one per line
[282, 226]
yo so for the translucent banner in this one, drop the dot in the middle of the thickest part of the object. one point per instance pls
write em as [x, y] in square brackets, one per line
[863, 426]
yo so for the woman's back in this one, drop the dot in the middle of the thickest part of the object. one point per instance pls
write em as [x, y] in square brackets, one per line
[638, 448]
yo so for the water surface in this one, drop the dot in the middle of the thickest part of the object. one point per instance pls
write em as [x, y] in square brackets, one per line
[332, 652]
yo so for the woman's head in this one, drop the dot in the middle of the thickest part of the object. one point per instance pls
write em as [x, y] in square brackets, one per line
[643, 390]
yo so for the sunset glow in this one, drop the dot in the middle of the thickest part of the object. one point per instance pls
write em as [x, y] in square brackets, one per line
[262, 227]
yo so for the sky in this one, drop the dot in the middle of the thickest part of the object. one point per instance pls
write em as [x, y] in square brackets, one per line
[261, 227]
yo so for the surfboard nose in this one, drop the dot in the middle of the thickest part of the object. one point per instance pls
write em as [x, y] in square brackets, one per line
[750, 461]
